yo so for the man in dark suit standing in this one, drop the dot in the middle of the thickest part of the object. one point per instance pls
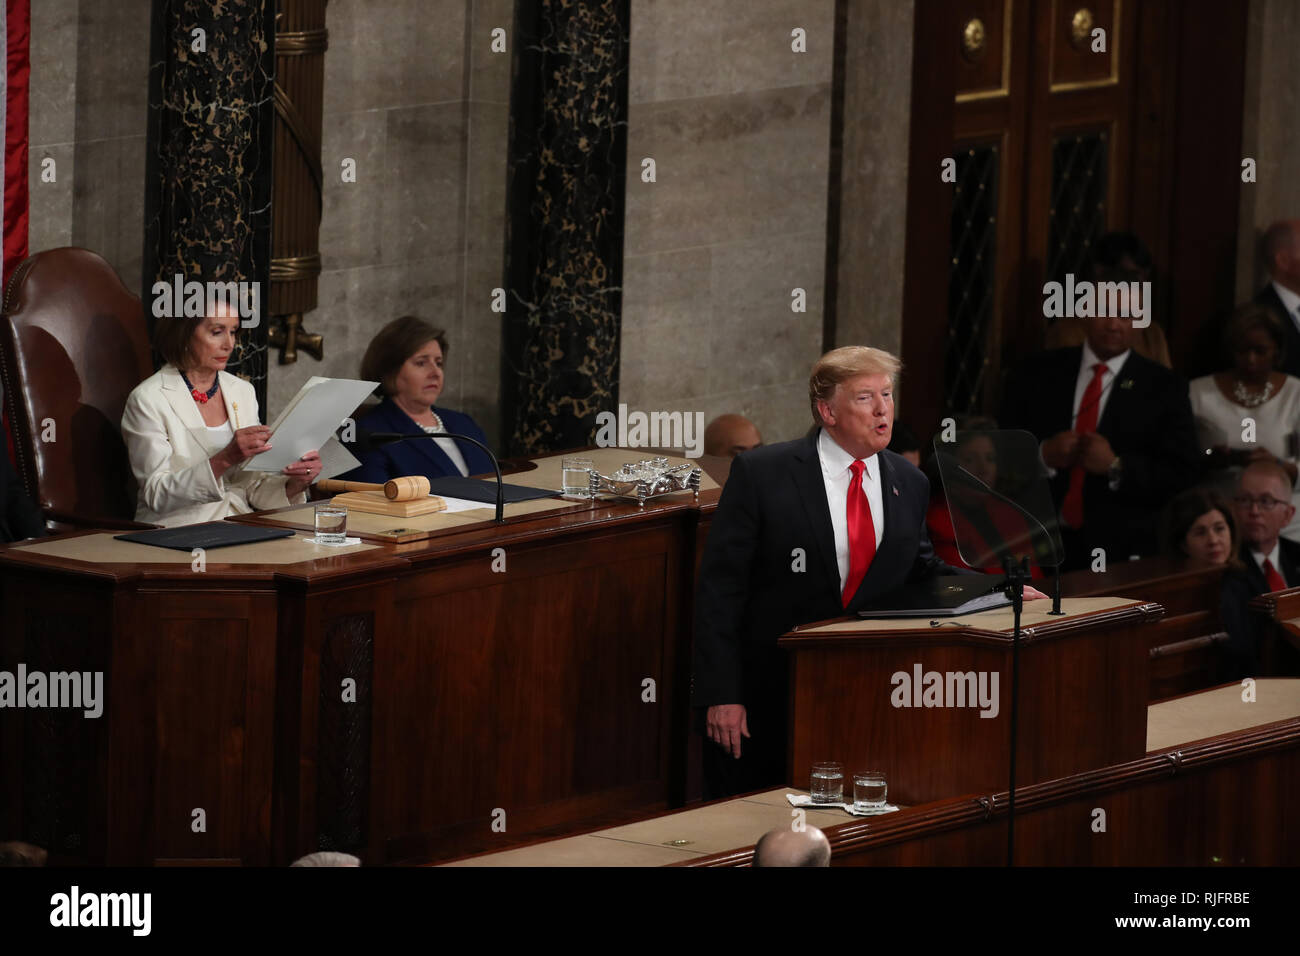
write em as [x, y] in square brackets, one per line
[805, 530]
[1117, 433]
[1263, 508]
[1282, 257]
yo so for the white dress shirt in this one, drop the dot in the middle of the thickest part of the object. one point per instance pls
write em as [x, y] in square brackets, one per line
[836, 476]
[450, 446]
[1290, 302]
[1090, 359]
[1274, 558]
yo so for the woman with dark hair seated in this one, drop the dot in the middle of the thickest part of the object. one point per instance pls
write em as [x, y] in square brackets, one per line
[406, 358]
[191, 427]
[1200, 526]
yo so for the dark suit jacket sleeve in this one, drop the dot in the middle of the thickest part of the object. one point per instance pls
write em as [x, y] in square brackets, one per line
[1241, 649]
[22, 519]
[1167, 462]
[726, 572]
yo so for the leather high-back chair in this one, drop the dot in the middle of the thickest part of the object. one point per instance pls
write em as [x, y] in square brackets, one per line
[73, 344]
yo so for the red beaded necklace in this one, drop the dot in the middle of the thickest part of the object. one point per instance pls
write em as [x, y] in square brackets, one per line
[202, 397]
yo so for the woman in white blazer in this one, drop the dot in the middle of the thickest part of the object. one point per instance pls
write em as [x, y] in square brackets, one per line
[191, 425]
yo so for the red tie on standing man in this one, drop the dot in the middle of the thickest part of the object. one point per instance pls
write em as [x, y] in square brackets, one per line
[1085, 424]
[862, 532]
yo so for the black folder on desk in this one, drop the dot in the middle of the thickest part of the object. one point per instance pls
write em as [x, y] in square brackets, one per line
[476, 489]
[946, 595]
[212, 534]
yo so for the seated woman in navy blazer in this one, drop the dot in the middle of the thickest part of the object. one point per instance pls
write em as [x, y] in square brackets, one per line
[406, 359]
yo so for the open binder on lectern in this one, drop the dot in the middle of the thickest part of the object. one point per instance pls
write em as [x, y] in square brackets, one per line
[1000, 508]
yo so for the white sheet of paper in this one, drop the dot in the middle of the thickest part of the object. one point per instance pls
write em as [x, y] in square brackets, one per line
[308, 421]
[464, 504]
[335, 459]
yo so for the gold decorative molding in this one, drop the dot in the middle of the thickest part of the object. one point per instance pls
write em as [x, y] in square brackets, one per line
[1004, 87]
[974, 44]
[1112, 51]
[302, 42]
[288, 336]
[1081, 27]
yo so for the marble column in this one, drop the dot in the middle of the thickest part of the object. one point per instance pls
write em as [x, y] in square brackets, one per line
[564, 245]
[208, 178]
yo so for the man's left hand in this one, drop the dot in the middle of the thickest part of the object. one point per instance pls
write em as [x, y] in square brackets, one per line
[1095, 454]
[1033, 594]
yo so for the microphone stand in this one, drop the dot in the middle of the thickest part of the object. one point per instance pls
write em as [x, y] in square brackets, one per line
[389, 438]
[1017, 574]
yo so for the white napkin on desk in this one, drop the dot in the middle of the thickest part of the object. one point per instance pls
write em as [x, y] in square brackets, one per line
[805, 800]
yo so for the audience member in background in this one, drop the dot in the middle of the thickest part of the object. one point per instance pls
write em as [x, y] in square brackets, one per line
[785, 847]
[15, 853]
[327, 858]
[1116, 257]
[1117, 433]
[190, 427]
[983, 523]
[1262, 508]
[20, 518]
[1252, 391]
[1282, 294]
[904, 443]
[728, 435]
[406, 358]
[1200, 525]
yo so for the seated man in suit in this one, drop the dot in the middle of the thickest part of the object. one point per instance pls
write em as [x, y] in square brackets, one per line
[406, 358]
[1117, 432]
[1263, 508]
[805, 530]
[20, 518]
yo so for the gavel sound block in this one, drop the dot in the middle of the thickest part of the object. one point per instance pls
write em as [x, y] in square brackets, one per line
[399, 497]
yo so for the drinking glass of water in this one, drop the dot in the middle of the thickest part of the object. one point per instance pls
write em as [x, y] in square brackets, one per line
[827, 782]
[575, 477]
[331, 523]
[869, 790]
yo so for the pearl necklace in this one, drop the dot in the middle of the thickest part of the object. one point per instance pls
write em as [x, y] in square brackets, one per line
[1251, 399]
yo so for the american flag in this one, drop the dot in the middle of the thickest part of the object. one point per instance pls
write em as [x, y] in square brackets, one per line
[15, 32]
[14, 35]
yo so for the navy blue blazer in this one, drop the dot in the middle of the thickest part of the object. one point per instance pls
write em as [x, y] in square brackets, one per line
[422, 457]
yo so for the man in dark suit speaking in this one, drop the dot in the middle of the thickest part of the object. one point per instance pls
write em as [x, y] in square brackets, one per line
[805, 530]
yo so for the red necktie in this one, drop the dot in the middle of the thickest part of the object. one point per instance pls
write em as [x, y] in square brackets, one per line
[862, 533]
[1275, 581]
[1084, 424]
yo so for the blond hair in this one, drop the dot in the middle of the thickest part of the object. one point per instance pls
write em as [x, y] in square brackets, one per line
[839, 365]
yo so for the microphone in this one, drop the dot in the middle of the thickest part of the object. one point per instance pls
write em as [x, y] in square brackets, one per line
[972, 481]
[367, 440]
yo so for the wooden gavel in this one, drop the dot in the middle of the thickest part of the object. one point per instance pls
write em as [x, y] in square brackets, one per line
[395, 489]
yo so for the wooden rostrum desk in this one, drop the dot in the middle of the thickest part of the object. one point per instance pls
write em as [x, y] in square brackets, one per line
[386, 699]
[1216, 786]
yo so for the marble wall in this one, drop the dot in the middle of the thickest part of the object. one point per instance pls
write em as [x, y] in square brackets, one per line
[1269, 133]
[89, 94]
[739, 128]
[415, 95]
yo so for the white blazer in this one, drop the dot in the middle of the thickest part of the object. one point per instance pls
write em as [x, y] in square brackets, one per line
[168, 443]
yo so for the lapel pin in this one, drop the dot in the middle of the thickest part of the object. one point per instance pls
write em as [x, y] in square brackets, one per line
[895, 487]
[1127, 383]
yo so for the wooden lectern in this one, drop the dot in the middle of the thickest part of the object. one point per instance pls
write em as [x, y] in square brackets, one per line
[1083, 696]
